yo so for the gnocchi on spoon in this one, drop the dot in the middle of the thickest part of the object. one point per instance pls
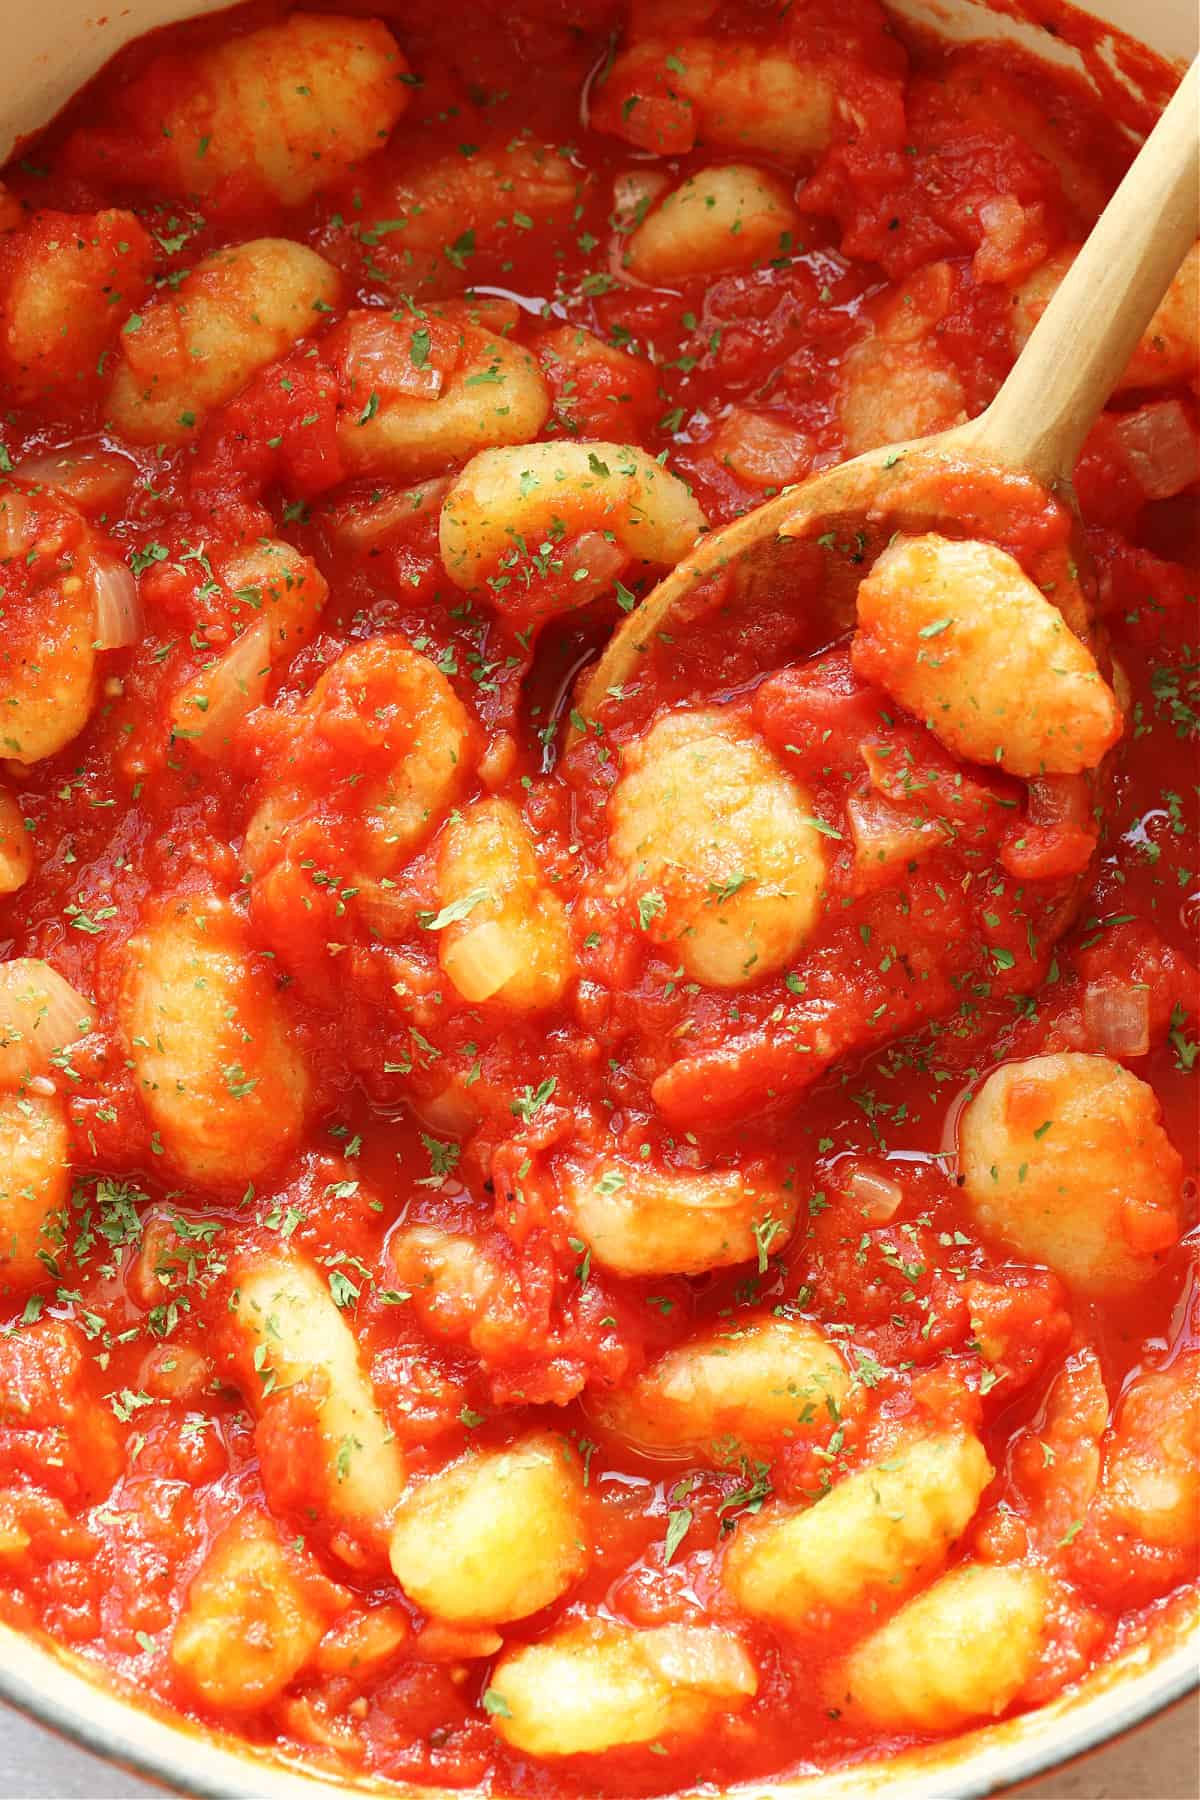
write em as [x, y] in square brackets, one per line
[993, 649]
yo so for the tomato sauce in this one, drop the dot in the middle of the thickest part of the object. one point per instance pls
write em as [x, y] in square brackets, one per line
[131, 1431]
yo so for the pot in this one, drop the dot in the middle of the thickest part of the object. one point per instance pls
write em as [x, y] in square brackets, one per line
[52, 50]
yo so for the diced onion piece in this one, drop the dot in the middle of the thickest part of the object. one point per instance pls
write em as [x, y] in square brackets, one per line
[96, 480]
[591, 564]
[14, 523]
[210, 709]
[1161, 448]
[634, 192]
[389, 911]
[40, 1014]
[884, 836]
[1116, 1018]
[877, 1197]
[482, 960]
[118, 609]
[1060, 800]
[361, 524]
[452, 1113]
[380, 359]
[685, 1656]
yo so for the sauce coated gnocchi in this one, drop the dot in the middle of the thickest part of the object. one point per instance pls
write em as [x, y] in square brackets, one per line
[1091, 1186]
[716, 848]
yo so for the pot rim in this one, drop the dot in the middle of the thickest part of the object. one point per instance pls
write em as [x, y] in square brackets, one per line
[57, 1690]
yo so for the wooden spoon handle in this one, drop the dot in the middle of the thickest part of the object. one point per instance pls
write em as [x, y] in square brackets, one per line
[1085, 337]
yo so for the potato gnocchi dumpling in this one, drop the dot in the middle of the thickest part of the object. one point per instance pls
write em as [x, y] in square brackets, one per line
[1065, 1160]
[595, 1685]
[51, 570]
[505, 936]
[1150, 1482]
[413, 739]
[68, 283]
[197, 344]
[496, 1536]
[878, 1532]
[747, 1384]
[640, 1220]
[409, 413]
[42, 1016]
[960, 1652]
[723, 218]
[35, 1182]
[277, 595]
[506, 502]
[302, 1355]
[760, 449]
[666, 94]
[958, 633]
[426, 228]
[1141, 1533]
[283, 112]
[897, 382]
[1167, 352]
[252, 1619]
[599, 391]
[209, 1039]
[716, 848]
[16, 849]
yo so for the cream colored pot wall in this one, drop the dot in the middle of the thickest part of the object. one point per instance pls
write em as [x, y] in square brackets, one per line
[50, 48]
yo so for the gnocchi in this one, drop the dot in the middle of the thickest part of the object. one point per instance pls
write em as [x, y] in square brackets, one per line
[299, 1360]
[16, 851]
[960, 1652]
[283, 111]
[640, 1220]
[716, 848]
[210, 1043]
[197, 344]
[496, 1536]
[42, 1016]
[744, 1385]
[506, 502]
[68, 283]
[413, 740]
[595, 1685]
[506, 938]
[724, 218]
[957, 632]
[1142, 1528]
[413, 225]
[35, 1181]
[277, 596]
[1168, 351]
[1065, 1160]
[253, 1617]
[878, 1532]
[408, 413]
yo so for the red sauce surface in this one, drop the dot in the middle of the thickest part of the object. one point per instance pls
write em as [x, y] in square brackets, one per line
[128, 1436]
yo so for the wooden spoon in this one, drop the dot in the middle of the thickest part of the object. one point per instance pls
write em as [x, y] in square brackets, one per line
[1015, 457]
